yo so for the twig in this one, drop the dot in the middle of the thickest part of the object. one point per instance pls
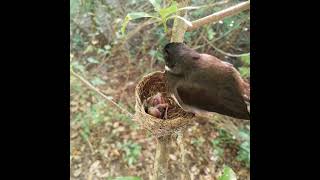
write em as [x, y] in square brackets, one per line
[89, 85]
[137, 30]
[90, 146]
[223, 52]
[219, 15]
[206, 6]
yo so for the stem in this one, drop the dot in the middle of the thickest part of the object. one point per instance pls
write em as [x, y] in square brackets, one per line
[179, 26]
[185, 175]
[220, 15]
[162, 152]
[161, 159]
[223, 52]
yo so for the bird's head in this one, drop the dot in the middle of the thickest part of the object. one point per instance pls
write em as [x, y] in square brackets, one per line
[179, 57]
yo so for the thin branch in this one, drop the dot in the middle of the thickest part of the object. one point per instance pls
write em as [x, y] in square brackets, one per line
[223, 52]
[90, 146]
[220, 15]
[205, 6]
[89, 85]
[137, 30]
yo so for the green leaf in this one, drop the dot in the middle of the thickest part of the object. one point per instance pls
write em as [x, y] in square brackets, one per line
[211, 33]
[107, 47]
[131, 16]
[244, 134]
[77, 66]
[245, 72]
[97, 81]
[155, 4]
[127, 178]
[74, 6]
[165, 12]
[246, 60]
[89, 49]
[228, 174]
[92, 60]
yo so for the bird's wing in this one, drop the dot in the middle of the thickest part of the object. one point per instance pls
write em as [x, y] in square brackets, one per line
[220, 95]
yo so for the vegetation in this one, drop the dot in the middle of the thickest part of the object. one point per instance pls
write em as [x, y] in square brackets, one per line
[114, 43]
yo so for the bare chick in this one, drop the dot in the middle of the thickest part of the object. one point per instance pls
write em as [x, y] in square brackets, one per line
[157, 106]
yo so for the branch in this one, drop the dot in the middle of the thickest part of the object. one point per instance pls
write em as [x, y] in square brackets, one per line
[223, 52]
[89, 85]
[220, 15]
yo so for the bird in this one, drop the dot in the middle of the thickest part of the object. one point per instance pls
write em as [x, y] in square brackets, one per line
[202, 84]
[157, 106]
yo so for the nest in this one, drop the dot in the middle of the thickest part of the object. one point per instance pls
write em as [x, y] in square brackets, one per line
[177, 118]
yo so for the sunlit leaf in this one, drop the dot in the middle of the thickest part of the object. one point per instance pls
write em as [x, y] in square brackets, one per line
[244, 71]
[77, 66]
[92, 60]
[155, 4]
[131, 16]
[228, 174]
[165, 12]
[246, 60]
[97, 81]
[211, 33]
[107, 47]
[89, 49]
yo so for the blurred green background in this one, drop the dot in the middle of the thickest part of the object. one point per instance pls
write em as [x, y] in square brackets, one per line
[105, 142]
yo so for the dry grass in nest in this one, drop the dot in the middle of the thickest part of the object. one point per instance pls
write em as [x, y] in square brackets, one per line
[177, 118]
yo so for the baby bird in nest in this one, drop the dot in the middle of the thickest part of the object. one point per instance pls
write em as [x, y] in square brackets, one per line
[156, 106]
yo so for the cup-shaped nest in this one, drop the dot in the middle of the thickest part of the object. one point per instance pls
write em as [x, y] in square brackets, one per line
[177, 118]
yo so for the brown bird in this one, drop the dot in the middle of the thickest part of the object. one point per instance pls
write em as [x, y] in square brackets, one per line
[157, 106]
[201, 83]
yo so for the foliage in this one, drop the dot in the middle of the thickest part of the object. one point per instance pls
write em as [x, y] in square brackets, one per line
[243, 145]
[218, 143]
[161, 15]
[245, 70]
[198, 142]
[228, 174]
[244, 150]
[132, 151]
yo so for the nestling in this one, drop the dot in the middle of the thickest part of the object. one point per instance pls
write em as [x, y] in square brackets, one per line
[156, 106]
[201, 83]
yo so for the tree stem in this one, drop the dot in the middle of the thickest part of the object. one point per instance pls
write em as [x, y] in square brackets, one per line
[179, 26]
[162, 157]
[181, 143]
